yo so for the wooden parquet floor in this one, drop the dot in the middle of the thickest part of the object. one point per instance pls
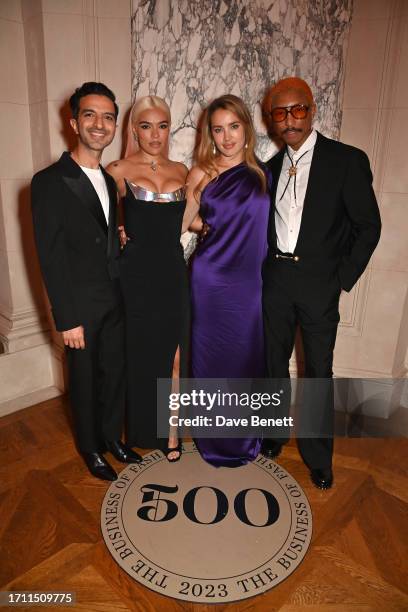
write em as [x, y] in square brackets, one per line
[50, 537]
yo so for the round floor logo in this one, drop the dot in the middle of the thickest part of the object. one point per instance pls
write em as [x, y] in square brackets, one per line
[198, 533]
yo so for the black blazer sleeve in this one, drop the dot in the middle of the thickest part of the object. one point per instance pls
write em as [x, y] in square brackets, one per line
[362, 209]
[50, 240]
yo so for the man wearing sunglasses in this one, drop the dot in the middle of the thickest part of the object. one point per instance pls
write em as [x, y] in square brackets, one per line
[324, 226]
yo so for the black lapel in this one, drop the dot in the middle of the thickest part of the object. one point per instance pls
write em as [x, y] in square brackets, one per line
[83, 189]
[275, 166]
[113, 202]
[319, 171]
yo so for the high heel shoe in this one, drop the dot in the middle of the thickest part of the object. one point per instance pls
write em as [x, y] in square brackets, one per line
[175, 449]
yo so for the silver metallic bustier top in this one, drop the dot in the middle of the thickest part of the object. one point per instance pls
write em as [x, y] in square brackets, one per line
[141, 193]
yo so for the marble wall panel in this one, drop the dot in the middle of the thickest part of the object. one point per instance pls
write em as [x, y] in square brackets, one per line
[190, 51]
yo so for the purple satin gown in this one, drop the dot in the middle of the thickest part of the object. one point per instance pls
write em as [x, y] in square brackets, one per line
[226, 283]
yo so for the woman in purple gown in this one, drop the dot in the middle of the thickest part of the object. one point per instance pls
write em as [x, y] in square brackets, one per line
[230, 189]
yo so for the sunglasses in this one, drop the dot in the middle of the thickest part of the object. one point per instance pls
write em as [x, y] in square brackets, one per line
[298, 111]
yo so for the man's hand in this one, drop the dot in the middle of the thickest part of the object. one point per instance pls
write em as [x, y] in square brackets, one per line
[74, 338]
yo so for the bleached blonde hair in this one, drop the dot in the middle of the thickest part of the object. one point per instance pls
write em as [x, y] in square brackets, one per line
[140, 105]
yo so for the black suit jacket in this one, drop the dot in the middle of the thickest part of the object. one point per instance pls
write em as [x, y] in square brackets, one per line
[341, 223]
[78, 251]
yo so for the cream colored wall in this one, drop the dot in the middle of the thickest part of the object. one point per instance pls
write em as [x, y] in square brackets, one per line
[48, 47]
[373, 335]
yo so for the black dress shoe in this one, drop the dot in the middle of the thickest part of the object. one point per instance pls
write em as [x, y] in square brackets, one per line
[322, 479]
[99, 467]
[123, 453]
[270, 448]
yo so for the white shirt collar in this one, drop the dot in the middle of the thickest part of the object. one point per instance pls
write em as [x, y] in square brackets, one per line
[306, 146]
[92, 170]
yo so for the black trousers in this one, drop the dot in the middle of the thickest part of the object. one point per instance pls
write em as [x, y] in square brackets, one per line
[291, 298]
[97, 373]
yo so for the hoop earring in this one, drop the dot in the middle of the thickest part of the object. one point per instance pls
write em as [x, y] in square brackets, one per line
[246, 145]
[214, 149]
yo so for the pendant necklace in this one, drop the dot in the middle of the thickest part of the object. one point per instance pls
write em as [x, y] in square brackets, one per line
[292, 172]
[153, 163]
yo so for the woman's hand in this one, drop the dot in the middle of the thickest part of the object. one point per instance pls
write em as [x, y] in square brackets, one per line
[205, 229]
[200, 227]
[123, 238]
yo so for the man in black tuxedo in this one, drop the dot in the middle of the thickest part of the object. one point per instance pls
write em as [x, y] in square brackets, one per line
[74, 204]
[324, 226]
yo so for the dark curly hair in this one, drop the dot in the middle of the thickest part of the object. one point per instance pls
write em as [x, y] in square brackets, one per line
[89, 88]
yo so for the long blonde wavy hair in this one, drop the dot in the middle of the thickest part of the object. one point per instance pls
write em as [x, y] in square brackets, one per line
[142, 104]
[205, 154]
